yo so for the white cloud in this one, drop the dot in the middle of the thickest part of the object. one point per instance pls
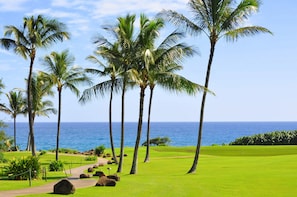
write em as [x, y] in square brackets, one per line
[12, 5]
[105, 8]
[53, 13]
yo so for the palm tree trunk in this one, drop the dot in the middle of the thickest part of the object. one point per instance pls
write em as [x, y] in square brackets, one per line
[29, 100]
[139, 128]
[147, 155]
[110, 127]
[29, 137]
[14, 132]
[58, 126]
[196, 158]
[120, 166]
[29, 143]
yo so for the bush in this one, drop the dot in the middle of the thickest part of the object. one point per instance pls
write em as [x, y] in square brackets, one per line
[91, 158]
[271, 138]
[65, 150]
[99, 150]
[2, 159]
[158, 141]
[42, 152]
[56, 166]
[19, 169]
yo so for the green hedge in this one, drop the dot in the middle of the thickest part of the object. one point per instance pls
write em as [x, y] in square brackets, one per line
[271, 138]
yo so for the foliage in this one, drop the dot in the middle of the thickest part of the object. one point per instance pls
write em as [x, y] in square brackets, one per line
[19, 168]
[56, 166]
[158, 141]
[91, 158]
[99, 150]
[5, 141]
[2, 159]
[271, 138]
[42, 152]
[66, 150]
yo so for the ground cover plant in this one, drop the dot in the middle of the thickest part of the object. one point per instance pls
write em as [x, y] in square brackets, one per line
[223, 171]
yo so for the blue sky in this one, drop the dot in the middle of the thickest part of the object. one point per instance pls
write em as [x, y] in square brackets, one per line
[254, 78]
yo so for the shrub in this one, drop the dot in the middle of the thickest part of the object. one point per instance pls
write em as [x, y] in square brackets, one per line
[271, 138]
[91, 158]
[65, 150]
[99, 150]
[158, 141]
[19, 169]
[2, 159]
[56, 166]
[42, 152]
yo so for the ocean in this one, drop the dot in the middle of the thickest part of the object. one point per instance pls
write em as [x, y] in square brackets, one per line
[87, 135]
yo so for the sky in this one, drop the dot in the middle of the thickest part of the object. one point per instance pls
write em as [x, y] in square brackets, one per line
[254, 79]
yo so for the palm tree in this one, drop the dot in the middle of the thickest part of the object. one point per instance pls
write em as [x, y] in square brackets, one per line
[1, 86]
[61, 75]
[40, 88]
[124, 33]
[216, 19]
[107, 51]
[36, 32]
[17, 105]
[144, 43]
[167, 58]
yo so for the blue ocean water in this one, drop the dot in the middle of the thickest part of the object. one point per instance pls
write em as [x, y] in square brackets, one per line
[86, 136]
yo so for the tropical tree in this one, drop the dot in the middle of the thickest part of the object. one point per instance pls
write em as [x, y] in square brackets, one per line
[113, 70]
[40, 89]
[167, 59]
[216, 19]
[123, 32]
[36, 32]
[62, 75]
[1, 86]
[17, 105]
[144, 43]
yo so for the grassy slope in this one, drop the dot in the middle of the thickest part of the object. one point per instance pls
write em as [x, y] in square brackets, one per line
[223, 171]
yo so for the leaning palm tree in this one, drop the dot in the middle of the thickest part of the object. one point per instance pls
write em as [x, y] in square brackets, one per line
[36, 32]
[216, 19]
[40, 107]
[114, 71]
[17, 105]
[62, 75]
[167, 59]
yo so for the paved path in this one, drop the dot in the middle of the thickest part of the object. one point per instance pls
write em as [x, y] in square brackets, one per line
[49, 187]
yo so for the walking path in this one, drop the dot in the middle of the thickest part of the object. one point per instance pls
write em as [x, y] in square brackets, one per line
[49, 187]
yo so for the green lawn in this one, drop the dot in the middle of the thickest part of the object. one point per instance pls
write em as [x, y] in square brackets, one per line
[222, 171]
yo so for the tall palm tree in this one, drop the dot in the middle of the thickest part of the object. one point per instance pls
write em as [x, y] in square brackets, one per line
[144, 43]
[124, 33]
[216, 19]
[167, 58]
[107, 51]
[36, 32]
[62, 75]
[17, 105]
[40, 88]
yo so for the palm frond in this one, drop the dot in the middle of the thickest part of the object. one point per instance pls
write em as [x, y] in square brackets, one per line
[233, 35]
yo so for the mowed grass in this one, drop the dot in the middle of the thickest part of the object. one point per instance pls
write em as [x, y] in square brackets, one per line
[222, 171]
